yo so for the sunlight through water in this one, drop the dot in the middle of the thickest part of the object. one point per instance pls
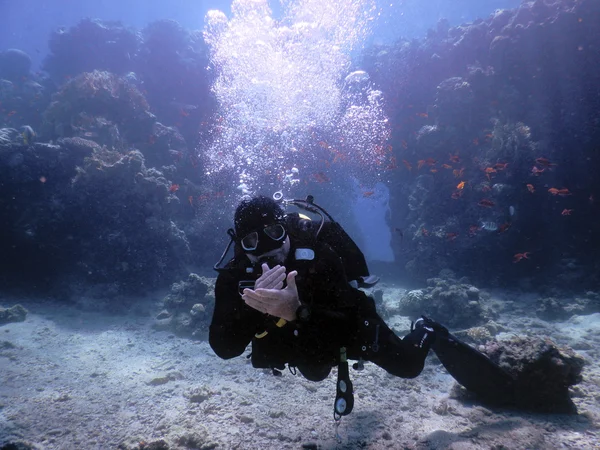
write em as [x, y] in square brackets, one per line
[289, 102]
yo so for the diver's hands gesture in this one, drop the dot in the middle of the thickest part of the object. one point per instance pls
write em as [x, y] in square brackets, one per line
[281, 303]
[271, 278]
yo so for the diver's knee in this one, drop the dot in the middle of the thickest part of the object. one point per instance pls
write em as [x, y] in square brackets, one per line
[314, 373]
[410, 371]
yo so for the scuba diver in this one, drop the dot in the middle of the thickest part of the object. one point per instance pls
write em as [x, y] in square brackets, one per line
[292, 289]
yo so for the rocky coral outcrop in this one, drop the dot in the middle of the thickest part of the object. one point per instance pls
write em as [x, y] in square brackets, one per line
[455, 303]
[543, 373]
[187, 308]
[80, 102]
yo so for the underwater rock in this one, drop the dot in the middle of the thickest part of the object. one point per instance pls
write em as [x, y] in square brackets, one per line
[79, 145]
[184, 313]
[186, 294]
[134, 443]
[550, 308]
[542, 372]
[412, 302]
[20, 445]
[13, 314]
[448, 301]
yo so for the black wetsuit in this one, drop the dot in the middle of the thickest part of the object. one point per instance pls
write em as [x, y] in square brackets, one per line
[341, 316]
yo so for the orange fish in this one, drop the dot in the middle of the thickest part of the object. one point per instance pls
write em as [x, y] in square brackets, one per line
[563, 192]
[530, 188]
[566, 212]
[519, 256]
[420, 163]
[191, 200]
[458, 173]
[488, 171]
[424, 232]
[451, 236]
[460, 185]
[473, 230]
[430, 161]
[368, 193]
[500, 166]
[505, 226]
[174, 188]
[486, 203]
[407, 164]
[545, 162]
[454, 158]
[537, 172]
[11, 113]
[446, 166]
[423, 115]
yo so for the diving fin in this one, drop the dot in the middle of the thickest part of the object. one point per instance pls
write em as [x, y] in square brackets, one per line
[474, 370]
[368, 281]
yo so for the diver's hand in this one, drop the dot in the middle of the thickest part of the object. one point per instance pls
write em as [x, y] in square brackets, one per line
[271, 278]
[281, 303]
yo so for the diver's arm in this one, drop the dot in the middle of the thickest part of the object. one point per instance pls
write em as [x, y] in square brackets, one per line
[234, 323]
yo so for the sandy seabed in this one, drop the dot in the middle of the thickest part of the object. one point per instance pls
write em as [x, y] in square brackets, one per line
[74, 379]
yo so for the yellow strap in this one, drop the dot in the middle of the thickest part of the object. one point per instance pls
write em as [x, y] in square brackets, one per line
[278, 324]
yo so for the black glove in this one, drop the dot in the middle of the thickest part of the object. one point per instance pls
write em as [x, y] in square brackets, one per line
[429, 325]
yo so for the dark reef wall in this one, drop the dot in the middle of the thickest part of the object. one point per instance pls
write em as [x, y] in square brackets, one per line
[510, 106]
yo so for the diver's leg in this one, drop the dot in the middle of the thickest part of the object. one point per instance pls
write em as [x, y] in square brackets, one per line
[377, 343]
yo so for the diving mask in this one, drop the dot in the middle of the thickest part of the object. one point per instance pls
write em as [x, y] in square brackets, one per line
[254, 242]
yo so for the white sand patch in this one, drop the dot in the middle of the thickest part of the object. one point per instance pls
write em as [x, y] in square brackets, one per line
[77, 380]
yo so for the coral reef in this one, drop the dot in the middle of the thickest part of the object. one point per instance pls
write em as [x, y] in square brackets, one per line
[91, 45]
[554, 309]
[487, 93]
[82, 213]
[455, 303]
[99, 94]
[188, 309]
